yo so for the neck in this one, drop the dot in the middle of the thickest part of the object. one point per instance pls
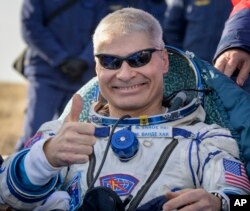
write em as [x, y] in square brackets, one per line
[136, 112]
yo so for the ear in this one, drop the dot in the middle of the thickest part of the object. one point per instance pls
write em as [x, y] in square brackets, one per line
[165, 61]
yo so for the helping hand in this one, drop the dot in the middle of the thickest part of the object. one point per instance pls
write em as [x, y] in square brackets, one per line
[74, 142]
[234, 59]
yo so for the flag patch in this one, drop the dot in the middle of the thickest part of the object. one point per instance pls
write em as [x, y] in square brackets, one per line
[235, 174]
[74, 190]
[122, 184]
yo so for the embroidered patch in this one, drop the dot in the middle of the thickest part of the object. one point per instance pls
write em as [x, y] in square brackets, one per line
[122, 184]
[152, 131]
[143, 120]
[201, 2]
[235, 174]
[74, 190]
[33, 140]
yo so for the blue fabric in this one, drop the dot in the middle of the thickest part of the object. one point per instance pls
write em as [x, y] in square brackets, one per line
[238, 109]
[21, 173]
[67, 35]
[196, 27]
[20, 185]
[154, 204]
[45, 102]
[155, 7]
[236, 34]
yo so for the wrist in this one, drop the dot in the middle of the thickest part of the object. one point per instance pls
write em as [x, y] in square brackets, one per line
[224, 200]
[48, 154]
[37, 166]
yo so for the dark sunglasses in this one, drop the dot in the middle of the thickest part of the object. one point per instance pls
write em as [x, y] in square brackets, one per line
[137, 59]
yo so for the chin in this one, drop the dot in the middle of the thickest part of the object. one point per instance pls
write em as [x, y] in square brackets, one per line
[128, 106]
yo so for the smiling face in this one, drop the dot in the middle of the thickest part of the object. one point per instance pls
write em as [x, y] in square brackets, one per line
[132, 90]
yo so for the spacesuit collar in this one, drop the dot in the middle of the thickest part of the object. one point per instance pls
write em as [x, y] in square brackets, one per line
[178, 116]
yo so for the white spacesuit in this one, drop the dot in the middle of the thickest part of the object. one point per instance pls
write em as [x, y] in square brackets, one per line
[138, 164]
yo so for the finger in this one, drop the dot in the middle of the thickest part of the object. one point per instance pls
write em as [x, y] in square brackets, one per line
[178, 199]
[171, 195]
[69, 159]
[82, 128]
[221, 63]
[77, 149]
[174, 204]
[76, 109]
[231, 66]
[79, 138]
[243, 74]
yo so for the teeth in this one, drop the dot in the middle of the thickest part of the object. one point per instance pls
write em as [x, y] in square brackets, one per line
[129, 87]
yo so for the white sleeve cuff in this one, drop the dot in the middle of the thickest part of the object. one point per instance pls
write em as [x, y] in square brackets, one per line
[38, 169]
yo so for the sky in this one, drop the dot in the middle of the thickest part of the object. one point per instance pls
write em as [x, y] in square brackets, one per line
[11, 43]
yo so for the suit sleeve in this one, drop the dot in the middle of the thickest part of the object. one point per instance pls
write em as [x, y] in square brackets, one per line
[237, 29]
[38, 36]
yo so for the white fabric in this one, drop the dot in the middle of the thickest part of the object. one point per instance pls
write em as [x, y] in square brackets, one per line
[58, 200]
[176, 174]
[38, 169]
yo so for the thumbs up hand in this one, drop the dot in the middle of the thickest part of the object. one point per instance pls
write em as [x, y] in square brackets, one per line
[74, 142]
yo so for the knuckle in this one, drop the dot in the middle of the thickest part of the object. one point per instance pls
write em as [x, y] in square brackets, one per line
[66, 159]
[85, 159]
[93, 141]
[68, 136]
[68, 126]
[90, 140]
[88, 150]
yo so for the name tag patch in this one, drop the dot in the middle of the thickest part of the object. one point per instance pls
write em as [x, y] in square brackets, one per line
[152, 131]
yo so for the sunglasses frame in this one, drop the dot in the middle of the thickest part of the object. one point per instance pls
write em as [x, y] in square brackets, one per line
[121, 59]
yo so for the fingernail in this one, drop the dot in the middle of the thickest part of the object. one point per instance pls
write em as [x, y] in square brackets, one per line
[240, 82]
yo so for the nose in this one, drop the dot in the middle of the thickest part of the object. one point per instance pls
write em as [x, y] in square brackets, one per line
[125, 72]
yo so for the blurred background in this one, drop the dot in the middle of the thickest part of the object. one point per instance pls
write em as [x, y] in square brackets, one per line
[12, 85]
[11, 43]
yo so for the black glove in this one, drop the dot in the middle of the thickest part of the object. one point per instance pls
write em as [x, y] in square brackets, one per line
[74, 68]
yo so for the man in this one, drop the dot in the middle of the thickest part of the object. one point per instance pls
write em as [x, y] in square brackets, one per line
[60, 56]
[233, 52]
[70, 164]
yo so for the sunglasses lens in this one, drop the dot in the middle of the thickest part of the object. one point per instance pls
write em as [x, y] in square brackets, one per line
[137, 59]
[110, 62]
[140, 59]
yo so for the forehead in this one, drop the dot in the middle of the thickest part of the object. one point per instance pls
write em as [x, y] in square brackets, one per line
[123, 43]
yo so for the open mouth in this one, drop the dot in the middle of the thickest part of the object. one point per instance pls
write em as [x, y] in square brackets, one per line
[132, 87]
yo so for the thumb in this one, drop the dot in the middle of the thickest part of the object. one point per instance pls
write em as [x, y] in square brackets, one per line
[76, 109]
[171, 195]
